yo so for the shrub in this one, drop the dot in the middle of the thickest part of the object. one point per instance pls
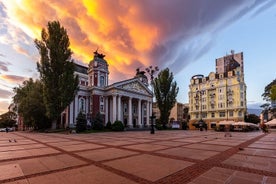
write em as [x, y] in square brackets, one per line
[117, 126]
[81, 122]
[108, 125]
[98, 122]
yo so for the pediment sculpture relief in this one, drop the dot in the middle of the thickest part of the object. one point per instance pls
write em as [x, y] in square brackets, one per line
[135, 86]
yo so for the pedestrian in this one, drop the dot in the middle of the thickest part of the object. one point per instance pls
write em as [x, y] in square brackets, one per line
[227, 131]
[7, 129]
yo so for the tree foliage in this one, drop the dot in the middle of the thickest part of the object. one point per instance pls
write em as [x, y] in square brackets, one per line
[270, 91]
[8, 119]
[81, 122]
[56, 69]
[29, 100]
[98, 123]
[165, 90]
[272, 94]
[117, 126]
[252, 118]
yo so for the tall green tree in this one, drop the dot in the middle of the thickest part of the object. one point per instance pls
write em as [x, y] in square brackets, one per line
[56, 70]
[165, 90]
[29, 100]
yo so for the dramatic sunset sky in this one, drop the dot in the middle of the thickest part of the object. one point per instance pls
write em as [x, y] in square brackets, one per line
[184, 35]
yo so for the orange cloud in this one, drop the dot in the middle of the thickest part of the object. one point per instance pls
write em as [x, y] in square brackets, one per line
[13, 78]
[131, 33]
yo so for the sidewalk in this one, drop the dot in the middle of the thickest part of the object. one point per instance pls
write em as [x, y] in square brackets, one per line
[176, 157]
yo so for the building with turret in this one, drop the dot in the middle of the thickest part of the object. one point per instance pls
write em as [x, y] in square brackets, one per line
[129, 101]
[221, 95]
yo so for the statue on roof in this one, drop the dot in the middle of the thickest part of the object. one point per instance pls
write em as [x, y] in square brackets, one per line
[97, 54]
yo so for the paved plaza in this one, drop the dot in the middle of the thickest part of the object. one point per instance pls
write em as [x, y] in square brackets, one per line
[173, 157]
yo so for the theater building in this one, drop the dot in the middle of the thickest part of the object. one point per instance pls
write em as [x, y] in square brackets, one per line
[129, 101]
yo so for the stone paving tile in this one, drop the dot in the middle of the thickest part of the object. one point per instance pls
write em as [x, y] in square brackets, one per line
[228, 142]
[21, 147]
[254, 162]
[221, 175]
[127, 157]
[43, 164]
[188, 153]
[10, 171]
[79, 147]
[96, 176]
[208, 147]
[170, 143]
[64, 143]
[149, 167]
[146, 147]
[264, 146]
[106, 154]
[118, 142]
[259, 152]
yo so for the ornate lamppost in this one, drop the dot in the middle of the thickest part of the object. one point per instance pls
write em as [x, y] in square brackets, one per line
[151, 71]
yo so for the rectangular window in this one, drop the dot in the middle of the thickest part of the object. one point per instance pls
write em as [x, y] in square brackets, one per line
[231, 113]
[213, 115]
[240, 114]
[221, 114]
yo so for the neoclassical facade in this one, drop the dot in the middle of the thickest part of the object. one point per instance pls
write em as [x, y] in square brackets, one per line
[129, 101]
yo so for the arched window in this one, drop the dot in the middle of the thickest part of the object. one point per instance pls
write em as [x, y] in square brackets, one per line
[102, 83]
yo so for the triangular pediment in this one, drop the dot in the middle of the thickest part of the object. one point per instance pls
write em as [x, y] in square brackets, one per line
[134, 85]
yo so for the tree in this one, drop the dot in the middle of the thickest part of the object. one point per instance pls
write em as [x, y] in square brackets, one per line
[165, 90]
[29, 100]
[98, 123]
[252, 118]
[8, 119]
[272, 94]
[56, 70]
[81, 122]
[270, 91]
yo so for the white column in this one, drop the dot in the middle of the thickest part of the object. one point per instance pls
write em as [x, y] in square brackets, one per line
[76, 108]
[114, 109]
[98, 78]
[130, 112]
[150, 108]
[139, 113]
[119, 109]
[106, 109]
[148, 112]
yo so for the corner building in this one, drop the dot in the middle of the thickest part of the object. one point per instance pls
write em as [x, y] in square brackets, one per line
[221, 95]
[129, 101]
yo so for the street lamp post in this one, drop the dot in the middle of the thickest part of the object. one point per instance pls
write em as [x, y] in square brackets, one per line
[151, 71]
